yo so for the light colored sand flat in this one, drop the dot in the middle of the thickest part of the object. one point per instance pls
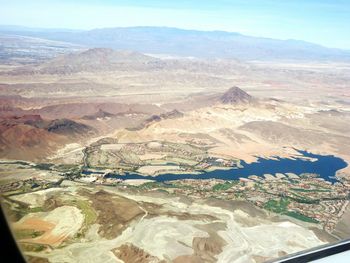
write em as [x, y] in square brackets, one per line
[163, 235]
[153, 169]
[62, 222]
[137, 181]
[88, 179]
[265, 240]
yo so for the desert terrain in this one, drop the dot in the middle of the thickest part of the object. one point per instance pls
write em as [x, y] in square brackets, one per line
[89, 138]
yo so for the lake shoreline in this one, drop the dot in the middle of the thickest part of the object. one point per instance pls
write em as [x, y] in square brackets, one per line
[325, 166]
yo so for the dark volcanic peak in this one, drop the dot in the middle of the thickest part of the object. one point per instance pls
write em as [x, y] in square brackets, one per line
[68, 127]
[168, 115]
[156, 118]
[234, 96]
[172, 114]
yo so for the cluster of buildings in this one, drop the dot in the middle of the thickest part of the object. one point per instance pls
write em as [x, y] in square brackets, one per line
[308, 196]
[27, 185]
[100, 178]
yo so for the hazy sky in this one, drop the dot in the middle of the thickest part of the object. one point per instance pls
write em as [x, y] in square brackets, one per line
[326, 22]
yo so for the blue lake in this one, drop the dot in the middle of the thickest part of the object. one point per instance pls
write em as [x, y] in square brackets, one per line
[325, 166]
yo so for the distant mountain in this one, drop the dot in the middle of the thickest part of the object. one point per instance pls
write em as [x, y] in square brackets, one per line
[99, 58]
[92, 60]
[107, 59]
[234, 96]
[180, 42]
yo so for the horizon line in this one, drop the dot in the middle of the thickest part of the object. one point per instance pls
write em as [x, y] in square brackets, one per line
[168, 27]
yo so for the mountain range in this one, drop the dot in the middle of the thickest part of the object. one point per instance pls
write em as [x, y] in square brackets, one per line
[181, 42]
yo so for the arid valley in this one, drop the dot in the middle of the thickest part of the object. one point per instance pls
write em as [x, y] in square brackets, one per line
[112, 155]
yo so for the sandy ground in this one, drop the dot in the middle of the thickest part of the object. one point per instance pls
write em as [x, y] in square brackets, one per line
[162, 235]
[245, 241]
[136, 181]
[264, 240]
[58, 224]
[37, 199]
[247, 234]
[342, 229]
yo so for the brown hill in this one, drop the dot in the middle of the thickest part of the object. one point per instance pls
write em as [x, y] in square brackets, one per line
[29, 137]
[92, 60]
[26, 142]
[32, 120]
[60, 126]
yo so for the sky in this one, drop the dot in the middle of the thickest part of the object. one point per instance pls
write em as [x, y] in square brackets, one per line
[325, 22]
